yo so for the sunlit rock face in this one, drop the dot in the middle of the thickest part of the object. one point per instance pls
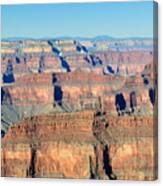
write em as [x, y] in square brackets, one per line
[55, 145]
[133, 147]
[80, 145]
[79, 109]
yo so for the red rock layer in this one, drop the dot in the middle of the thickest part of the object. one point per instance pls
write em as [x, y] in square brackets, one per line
[78, 88]
[66, 145]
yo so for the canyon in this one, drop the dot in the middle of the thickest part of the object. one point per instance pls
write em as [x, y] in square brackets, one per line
[79, 109]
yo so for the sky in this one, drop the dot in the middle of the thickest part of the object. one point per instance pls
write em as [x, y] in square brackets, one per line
[116, 19]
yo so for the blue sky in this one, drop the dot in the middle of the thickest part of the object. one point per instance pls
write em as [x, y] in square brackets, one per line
[133, 19]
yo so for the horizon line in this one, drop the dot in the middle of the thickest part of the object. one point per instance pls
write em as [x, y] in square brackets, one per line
[81, 37]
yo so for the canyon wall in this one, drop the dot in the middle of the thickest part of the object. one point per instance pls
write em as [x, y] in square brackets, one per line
[123, 148]
[133, 147]
[79, 109]
[36, 148]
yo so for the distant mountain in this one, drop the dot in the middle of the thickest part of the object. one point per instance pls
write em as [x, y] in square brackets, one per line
[102, 38]
[16, 38]
[95, 39]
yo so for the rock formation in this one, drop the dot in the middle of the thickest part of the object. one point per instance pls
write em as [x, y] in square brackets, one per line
[81, 145]
[79, 109]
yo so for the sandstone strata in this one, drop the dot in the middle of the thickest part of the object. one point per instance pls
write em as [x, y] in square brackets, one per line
[89, 147]
[79, 109]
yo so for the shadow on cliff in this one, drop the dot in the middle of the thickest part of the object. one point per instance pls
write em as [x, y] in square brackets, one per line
[65, 64]
[110, 69]
[133, 101]
[152, 95]
[120, 104]
[8, 76]
[41, 68]
[2, 133]
[54, 49]
[58, 93]
[32, 170]
[106, 162]
[5, 96]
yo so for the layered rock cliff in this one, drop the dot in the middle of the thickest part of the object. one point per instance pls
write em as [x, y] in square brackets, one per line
[79, 109]
[81, 145]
